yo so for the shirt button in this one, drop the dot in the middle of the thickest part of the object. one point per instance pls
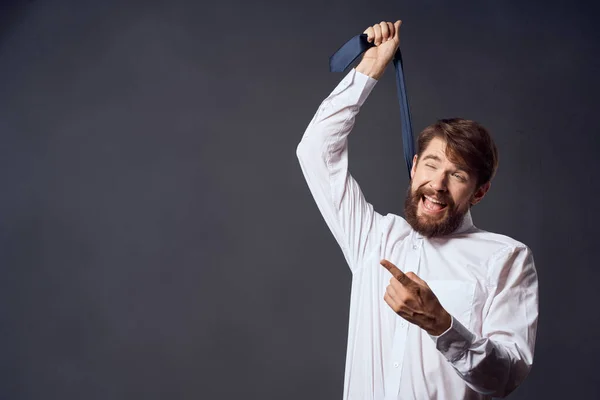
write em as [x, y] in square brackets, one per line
[396, 365]
[414, 246]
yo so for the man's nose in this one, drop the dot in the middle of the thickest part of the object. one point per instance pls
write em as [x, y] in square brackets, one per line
[439, 182]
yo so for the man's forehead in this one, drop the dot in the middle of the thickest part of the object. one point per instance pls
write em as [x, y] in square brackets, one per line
[437, 150]
[436, 144]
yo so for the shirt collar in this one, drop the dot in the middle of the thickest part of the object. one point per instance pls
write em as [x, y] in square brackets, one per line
[466, 224]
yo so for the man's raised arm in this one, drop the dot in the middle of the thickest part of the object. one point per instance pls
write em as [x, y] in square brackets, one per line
[323, 150]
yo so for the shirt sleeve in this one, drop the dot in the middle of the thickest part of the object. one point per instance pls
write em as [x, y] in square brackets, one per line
[323, 157]
[496, 362]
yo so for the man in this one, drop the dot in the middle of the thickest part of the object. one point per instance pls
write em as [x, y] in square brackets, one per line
[439, 308]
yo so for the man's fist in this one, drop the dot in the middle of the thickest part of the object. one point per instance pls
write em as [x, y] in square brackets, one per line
[386, 37]
[412, 299]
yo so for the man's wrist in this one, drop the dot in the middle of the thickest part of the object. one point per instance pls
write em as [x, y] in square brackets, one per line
[442, 324]
[371, 68]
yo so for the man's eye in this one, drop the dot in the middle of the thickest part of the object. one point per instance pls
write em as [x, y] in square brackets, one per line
[430, 165]
[459, 177]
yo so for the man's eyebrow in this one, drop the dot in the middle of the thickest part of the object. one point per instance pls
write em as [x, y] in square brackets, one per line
[432, 157]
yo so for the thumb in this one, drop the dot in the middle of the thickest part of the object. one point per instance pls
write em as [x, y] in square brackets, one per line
[397, 28]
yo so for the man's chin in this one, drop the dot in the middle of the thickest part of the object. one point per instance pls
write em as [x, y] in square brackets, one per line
[432, 219]
[425, 216]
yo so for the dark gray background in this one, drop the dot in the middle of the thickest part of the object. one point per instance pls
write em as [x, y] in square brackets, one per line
[158, 240]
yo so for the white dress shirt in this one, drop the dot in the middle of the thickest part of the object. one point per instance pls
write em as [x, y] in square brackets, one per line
[486, 281]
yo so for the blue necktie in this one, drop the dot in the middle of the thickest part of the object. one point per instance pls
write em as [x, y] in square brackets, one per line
[346, 55]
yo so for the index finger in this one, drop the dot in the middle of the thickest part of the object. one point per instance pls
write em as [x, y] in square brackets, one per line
[399, 275]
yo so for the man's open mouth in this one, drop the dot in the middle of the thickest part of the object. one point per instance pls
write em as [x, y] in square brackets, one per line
[432, 204]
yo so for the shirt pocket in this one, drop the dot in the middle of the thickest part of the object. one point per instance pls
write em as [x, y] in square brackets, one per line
[456, 297]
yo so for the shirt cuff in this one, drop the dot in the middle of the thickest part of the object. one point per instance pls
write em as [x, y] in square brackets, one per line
[454, 342]
[354, 88]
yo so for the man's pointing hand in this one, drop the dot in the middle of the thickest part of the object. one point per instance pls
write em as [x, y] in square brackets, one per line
[412, 299]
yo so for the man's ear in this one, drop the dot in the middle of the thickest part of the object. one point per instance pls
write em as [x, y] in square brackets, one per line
[414, 167]
[480, 193]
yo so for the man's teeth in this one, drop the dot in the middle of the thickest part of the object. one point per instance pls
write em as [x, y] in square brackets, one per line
[434, 200]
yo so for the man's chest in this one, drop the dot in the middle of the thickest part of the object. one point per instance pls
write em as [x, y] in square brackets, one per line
[456, 274]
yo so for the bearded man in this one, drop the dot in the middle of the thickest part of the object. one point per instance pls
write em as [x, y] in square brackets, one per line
[439, 308]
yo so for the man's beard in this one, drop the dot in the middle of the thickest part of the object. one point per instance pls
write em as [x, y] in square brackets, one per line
[429, 226]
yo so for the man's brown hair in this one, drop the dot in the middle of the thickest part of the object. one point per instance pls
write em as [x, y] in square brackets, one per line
[468, 144]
